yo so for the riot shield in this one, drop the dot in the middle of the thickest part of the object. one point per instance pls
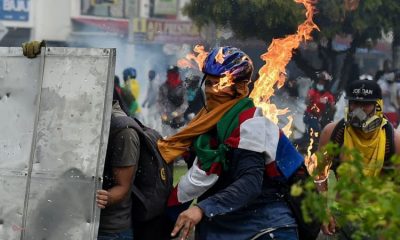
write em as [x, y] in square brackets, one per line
[54, 122]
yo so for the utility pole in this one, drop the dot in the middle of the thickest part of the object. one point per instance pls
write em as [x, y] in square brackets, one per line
[133, 13]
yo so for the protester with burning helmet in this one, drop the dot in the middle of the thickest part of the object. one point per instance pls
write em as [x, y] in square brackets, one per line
[172, 102]
[364, 128]
[241, 160]
[320, 103]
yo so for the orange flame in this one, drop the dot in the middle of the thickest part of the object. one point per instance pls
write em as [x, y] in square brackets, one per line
[225, 81]
[191, 59]
[288, 128]
[220, 56]
[276, 58]
[311, 160]
[311, 142]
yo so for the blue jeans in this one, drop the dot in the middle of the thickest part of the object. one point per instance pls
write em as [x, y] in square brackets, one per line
[246, 223]
[284, 233]
[124, 235]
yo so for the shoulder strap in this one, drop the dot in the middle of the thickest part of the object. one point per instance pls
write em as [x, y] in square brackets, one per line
[337, 135]
[390, 147]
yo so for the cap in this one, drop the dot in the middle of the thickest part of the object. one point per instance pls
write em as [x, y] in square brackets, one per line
[363, 91]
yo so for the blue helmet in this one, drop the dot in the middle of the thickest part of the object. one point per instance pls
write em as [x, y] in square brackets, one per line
[129, 73]
[234, 61]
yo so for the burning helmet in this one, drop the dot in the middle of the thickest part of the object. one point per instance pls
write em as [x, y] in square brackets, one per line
[129, 73]
[223, 60]
[365, 91]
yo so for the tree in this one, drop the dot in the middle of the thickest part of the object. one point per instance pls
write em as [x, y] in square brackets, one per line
[364, 207]
[362, 21]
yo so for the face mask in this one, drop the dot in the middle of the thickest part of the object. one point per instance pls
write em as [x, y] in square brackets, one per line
[359, 119]
[215, 98]
[320, 87]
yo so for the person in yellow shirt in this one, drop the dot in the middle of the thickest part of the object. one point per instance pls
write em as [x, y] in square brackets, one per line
[131, 90]
[364, 128]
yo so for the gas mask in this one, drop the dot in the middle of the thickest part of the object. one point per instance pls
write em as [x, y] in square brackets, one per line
[361, 120]
[320, 87]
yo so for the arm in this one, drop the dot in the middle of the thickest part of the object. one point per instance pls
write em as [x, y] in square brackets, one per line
[123, 180]
[247, 185]
[125, 155]
[327, 162]
[321, 182]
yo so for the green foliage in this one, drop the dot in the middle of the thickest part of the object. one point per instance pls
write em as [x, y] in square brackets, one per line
[248, 19]
[368, 205]
[276, 18]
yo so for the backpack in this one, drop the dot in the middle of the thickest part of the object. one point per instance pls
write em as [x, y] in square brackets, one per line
[338, 138]
[153, 180]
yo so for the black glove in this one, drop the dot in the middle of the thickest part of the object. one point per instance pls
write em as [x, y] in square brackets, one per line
[32, 49]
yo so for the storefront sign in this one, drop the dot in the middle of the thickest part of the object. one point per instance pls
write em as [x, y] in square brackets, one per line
[161, 30]
[14, 10]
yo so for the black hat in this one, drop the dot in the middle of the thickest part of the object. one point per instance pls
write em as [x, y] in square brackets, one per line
[363, 91]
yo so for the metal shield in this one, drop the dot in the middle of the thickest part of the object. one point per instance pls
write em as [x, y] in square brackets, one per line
[54, 121]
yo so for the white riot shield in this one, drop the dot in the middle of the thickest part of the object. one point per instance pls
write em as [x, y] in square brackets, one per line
[54, 122]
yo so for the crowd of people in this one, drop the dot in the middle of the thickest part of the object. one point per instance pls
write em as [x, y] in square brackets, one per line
[239, 162]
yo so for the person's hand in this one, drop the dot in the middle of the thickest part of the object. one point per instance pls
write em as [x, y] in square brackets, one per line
[330, 227]
[102, 198]
[32, 49]
[186, 221]
[164, 117]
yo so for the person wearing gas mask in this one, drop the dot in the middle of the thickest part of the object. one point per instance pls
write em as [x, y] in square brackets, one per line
[320, 106]
[364, 128]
